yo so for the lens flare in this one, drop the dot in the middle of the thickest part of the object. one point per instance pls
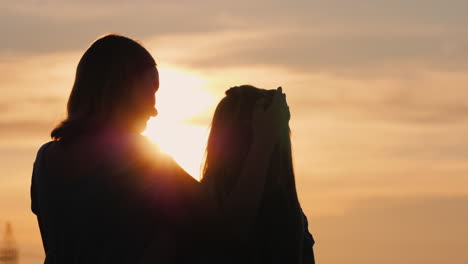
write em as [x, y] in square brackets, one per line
[180, 97]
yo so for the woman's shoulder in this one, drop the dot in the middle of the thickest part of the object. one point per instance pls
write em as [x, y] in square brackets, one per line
[90, 153]
[40, 152]
[43, 147]
[134, 153]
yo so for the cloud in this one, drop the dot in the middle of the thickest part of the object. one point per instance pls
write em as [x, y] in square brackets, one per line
[4, 106]
[395, 230]
[368, 53]
[397, 106]
[365, 37]
[25, 127]
[62, 26]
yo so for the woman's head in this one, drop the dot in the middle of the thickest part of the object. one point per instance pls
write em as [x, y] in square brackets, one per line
[115, 85]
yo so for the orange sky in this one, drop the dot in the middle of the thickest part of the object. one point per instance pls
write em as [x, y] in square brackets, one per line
[377, 90]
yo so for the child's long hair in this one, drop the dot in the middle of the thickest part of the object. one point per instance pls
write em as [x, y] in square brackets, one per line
[277, 234]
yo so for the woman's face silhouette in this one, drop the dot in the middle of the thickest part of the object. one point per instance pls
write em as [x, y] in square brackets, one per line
[144, 100]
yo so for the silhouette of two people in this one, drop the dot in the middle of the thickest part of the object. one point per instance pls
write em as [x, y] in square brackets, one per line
[103, 193]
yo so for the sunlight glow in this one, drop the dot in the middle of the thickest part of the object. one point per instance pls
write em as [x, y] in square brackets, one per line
[181, 96]
[185, 143]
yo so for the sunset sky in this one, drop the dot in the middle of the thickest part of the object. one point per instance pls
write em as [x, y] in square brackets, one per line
[378, 92]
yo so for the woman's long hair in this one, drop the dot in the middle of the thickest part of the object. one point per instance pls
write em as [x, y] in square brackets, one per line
[277, 234]
[103, 84]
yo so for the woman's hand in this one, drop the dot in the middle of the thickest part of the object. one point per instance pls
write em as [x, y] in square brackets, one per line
[268, 123]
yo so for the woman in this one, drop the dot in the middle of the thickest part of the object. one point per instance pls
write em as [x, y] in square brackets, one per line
[103, 194]
[279, 233]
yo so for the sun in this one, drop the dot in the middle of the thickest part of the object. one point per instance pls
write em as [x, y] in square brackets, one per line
[181, 96]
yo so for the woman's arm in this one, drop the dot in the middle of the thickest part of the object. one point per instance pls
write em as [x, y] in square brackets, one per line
[199, 211]
[240, 208]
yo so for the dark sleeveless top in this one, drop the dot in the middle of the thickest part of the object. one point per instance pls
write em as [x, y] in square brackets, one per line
[111, 214]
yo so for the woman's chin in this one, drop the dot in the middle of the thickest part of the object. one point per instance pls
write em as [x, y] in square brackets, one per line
[135, 127]
[140, 127]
